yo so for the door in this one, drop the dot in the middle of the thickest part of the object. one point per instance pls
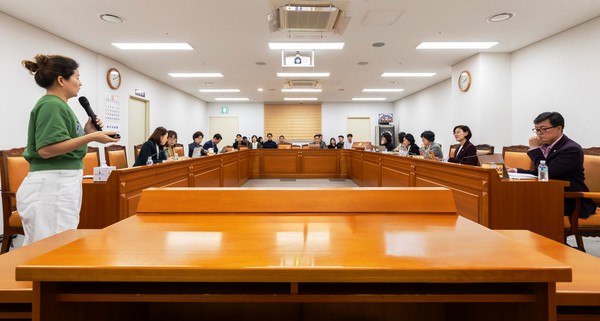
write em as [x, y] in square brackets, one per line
[138, 125]
[228, 127]
[360, 128]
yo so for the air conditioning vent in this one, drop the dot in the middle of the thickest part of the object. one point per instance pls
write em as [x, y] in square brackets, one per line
[308, 18]
[302, 84]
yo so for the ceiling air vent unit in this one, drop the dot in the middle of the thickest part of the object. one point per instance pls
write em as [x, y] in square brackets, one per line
[308, 17]
[302, 84]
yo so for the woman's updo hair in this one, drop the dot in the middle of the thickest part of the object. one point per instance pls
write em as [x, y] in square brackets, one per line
[46, 68]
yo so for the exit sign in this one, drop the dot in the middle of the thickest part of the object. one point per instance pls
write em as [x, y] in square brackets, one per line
[224, 110]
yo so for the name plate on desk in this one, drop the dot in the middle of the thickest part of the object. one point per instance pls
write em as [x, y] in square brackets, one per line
[101, 173]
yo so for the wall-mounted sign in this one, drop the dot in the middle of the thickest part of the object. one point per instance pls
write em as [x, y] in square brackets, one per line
[140, 93]
[224, 110]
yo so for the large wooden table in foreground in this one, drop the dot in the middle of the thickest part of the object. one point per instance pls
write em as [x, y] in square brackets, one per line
[480, 194]
[305, 257]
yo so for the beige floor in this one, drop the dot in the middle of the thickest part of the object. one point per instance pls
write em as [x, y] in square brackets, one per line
[300, 182]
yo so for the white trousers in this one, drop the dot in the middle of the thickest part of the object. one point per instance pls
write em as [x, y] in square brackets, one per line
[49, 203]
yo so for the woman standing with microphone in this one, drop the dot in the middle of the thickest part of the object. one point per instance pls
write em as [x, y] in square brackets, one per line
[49, 199]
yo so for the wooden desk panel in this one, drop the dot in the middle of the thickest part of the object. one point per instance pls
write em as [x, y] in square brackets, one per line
[392, 260]
[480, 194]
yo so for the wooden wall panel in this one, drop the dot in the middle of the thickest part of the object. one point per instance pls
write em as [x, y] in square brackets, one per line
[284, 163]
[324, 164]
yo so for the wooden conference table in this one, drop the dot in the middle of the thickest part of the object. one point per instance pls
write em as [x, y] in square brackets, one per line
[294, 260]
[480, 194]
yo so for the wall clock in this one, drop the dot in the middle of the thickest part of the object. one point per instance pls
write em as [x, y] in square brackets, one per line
[113, 77]
[464, 81]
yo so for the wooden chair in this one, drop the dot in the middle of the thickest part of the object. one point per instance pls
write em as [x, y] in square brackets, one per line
[178, 148]
[295, 146]
[284, 146]
[361, 145]
[589, 226]
[311, 146]
[116, 155]
[136, 151]
[484, 149]
[515, 156]
[243, 148]
[91, 160]
[13, 170]
[452, 150]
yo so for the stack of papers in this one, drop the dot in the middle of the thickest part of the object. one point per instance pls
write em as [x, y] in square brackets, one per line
[521, 176]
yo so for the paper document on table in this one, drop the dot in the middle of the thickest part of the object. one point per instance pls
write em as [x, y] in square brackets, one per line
[521, 176]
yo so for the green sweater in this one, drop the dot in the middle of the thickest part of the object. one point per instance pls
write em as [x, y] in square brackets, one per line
[52, 121]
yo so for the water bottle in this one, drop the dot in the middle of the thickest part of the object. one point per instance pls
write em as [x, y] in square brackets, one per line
[200, 153]
[149, 161]
[176, 157]
[543, 171]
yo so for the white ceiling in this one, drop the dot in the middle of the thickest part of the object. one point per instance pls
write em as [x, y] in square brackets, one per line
[230, 36]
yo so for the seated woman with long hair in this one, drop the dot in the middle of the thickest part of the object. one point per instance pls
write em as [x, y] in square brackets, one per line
[153, 148]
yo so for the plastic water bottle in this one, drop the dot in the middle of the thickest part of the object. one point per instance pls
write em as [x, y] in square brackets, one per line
[176, 157]
[149, 161]
[543, 171]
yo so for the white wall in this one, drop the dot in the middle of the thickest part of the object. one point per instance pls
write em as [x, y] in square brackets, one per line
[168, 107]
[508, 91]
[561, 73]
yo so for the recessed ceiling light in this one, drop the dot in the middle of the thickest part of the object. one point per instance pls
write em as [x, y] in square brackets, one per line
[500, 17]
[378, 44]
[457, 45]
[369, 98]
[301, 90]
[382, 90]
[362, 63]
[408, 74]
[260, 89]
[302, 74]
[219, 90]
[196, 74]
[301, 99]
[305, 45]
[111, 18]
[231, 99]
[395, 82]
[261, 63]
[153, 46]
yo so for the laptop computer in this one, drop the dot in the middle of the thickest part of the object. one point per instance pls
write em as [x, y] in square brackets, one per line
[486, 161]
[197, 152]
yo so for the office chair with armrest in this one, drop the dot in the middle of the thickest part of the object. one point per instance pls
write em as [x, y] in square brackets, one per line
[311, 146]
[91, 160]
[178, 148]
[136, 150]
[484, 149]
[243, 148]
[13, 170]
[115, 155]
[284, 146]
[515, 156]
[589, 226]
[453, 149]
[296, 147]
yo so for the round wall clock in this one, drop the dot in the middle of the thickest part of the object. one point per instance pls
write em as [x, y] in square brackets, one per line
[113, 77]
[464, 81]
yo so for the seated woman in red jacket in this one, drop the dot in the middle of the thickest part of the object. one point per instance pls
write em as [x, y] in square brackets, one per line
[466, 153]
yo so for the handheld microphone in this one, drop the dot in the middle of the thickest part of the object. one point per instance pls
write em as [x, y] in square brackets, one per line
[86, 105]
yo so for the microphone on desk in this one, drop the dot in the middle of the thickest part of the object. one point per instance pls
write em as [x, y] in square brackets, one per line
[88, 110]
[466, 157]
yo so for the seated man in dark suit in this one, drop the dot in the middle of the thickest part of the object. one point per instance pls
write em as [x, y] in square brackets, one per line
[269, 143]
[563, 156]
[213, 143]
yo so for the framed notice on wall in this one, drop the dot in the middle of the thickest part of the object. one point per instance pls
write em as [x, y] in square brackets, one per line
[385, 119]
[112, 113]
